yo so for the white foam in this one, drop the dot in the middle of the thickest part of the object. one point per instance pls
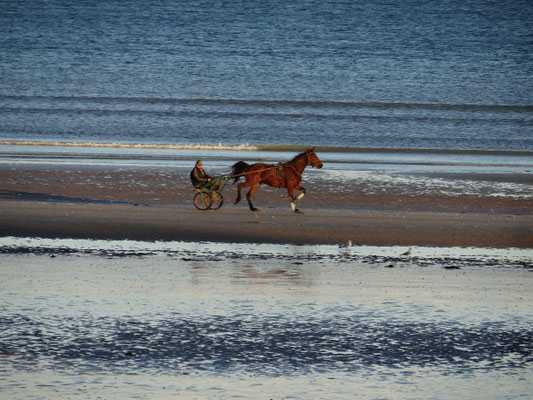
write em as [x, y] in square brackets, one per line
[219, 146]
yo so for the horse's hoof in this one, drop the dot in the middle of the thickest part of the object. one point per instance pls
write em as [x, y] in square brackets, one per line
[299, 211]
[256, 209]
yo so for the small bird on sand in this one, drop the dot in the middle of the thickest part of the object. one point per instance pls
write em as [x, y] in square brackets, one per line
[347, 245]
[407, 253]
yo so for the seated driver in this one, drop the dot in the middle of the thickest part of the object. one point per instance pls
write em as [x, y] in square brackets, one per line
[198, 176]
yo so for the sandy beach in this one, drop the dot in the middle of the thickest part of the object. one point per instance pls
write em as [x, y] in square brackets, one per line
[107, 203]
[115, 286]
[270, 226]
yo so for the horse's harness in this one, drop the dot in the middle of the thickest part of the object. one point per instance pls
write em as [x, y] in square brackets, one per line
[281, 166]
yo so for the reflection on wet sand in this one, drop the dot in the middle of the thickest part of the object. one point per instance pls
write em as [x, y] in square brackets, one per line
[255, 275]
[262, 320]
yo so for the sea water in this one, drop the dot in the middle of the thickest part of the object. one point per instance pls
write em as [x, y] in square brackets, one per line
[343, 74]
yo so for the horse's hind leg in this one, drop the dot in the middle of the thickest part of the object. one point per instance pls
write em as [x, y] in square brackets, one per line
[240, 186]
[249, 195]
[238, 194]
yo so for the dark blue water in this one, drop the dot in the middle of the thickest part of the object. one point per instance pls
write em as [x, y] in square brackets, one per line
[265, 345]
[398, 74]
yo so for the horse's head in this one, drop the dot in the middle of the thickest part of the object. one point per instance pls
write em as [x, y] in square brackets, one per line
[312, 159]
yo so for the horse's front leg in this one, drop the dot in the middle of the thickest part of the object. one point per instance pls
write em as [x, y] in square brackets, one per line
[292, 199]
[302, 190]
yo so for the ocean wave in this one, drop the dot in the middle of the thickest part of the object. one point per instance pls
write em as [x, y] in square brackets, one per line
[219, 146]
[344, 149]
[280, 103]
[327, 114]
[262, 147]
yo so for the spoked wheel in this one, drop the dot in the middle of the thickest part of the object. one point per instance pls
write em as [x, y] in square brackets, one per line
[216, 200]
[202, 200]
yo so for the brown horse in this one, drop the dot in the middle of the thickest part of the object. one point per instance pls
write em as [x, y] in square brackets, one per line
[287, 175]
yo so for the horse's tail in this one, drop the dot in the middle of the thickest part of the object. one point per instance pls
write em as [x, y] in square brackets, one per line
[238, 169]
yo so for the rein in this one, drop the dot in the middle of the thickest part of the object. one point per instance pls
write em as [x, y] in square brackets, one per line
[266, 169]
[252, 172]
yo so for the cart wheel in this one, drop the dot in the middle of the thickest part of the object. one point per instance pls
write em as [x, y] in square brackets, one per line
[216, 200]
[202, 200]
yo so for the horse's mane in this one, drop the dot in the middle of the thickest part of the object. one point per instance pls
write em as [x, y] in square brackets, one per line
[297, 157]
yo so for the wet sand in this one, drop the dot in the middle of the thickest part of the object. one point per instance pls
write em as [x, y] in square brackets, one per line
[111, 221]
[157, 204]
[202, 320]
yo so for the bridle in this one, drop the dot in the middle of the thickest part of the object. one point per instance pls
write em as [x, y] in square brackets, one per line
[308, 161]
[311, 162]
